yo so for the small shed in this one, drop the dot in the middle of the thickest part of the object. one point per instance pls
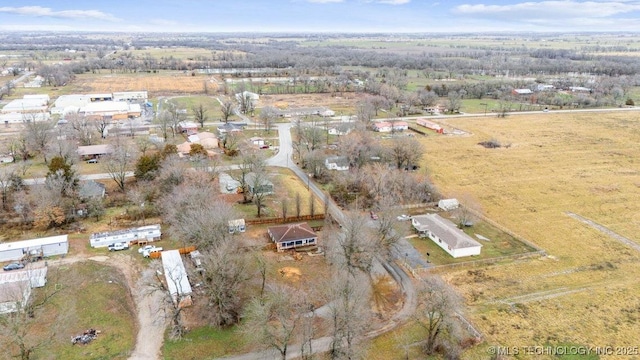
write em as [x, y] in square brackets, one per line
[237, 226]
[49, 246]
[448, 204]
[176, 276]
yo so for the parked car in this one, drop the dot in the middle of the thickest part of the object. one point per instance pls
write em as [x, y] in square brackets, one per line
[374, 216]
[145, 248]
[13, 266]
[148, 252]
[403, 217]
[92, 161]
[118, 246]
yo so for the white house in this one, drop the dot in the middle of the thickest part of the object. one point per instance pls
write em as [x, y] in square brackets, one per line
[176, 276]
[49, 246]
[446, 235]
[340, 163]
[143, 233]
[448, 204]
[382, 126]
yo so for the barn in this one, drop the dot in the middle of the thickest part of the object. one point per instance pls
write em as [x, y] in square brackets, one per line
[49, 246]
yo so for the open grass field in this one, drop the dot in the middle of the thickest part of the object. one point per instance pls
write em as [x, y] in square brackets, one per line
[101, 301]
[585, 291]
[162, 83]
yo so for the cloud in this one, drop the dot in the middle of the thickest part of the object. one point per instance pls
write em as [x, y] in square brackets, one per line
[324, 1]
[552, 9]
[39, 11]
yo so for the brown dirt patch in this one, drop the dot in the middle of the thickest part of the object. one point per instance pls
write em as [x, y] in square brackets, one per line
[156, 84]
[291, 273]
[347, 100]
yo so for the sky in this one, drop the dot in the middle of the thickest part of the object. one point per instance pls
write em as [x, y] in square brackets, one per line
[355, 16]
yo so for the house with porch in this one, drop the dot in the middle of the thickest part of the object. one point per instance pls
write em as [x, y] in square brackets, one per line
[292, 236]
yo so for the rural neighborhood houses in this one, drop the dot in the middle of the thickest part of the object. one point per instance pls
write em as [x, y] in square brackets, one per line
[446, 235]
[292, 236]
[387, 126]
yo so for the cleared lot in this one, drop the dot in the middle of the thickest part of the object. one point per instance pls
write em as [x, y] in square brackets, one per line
[581, 163]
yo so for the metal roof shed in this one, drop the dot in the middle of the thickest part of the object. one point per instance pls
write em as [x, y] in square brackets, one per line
[50, 246]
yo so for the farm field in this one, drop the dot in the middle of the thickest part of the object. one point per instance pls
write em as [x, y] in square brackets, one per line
[162, 83]
[557, 163]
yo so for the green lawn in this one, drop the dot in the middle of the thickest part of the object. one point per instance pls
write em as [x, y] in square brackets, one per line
[500, 244]
[205, 343]
[95, 296]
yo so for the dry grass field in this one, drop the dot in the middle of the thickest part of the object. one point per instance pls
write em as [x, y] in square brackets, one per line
[585, 291]
[163, 83]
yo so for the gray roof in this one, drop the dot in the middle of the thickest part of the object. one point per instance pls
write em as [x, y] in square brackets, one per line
[444, 230]
[338, 160]
[91, 189]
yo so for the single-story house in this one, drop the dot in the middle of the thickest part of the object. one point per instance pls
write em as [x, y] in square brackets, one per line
[237, 226]
[382, 126]
[91, 189]
[430, 125]
[400, 125]
[188, 127]
[257, 141]
[94, 151]
[446, 235]
[259, 185]
[340, 163]
[292, 236]
[48, 246]
[448, 204]
[176, 277]
[340, 129]
[143, 233]
[229, 128]
[580, 89]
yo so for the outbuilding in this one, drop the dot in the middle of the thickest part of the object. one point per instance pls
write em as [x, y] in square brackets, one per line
[48, 246]
[448, 204]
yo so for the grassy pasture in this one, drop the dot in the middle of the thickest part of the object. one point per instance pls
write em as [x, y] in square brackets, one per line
[582, 163]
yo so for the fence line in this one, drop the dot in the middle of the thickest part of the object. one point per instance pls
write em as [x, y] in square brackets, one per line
[280, 220]
[473, 263]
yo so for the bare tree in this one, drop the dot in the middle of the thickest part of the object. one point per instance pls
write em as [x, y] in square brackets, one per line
[163, 119]
[298, 204]
[82, 129]
[196, 215]
[119, 163]
[164, 282]
[200, 114]
[227, 108]
[406, 153]
[284, 207]
[260, 188]
[268, 116]
[350, 315]
[274, 322]
[351, 248]
[250, 161]
[454, 101]
[223, 280]
[38, 135]
[437, 306]
[7, 183]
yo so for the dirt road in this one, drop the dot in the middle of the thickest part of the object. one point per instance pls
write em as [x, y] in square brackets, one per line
[151, 319]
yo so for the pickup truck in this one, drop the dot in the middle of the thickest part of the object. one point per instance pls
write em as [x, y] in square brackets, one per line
[118, 246]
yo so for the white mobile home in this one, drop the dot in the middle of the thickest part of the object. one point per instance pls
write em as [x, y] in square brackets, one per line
[49, 246]
[144, 233]
[176, 277]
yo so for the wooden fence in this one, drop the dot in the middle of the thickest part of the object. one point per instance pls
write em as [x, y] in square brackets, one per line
[286, 220]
